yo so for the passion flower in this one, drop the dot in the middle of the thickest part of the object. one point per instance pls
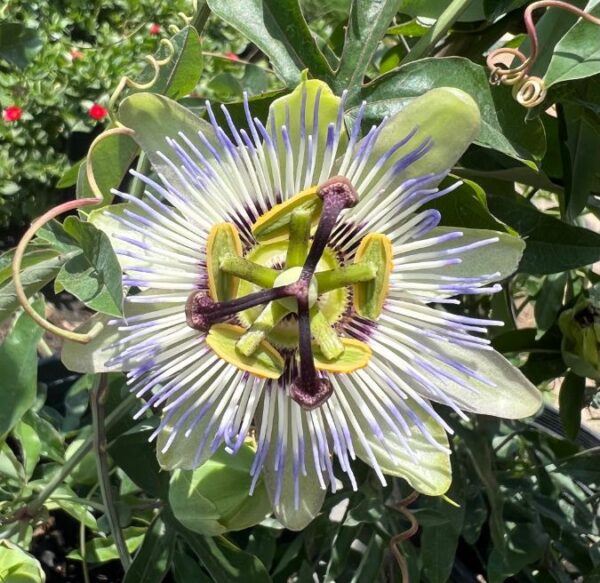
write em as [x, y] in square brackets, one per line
[291, 285]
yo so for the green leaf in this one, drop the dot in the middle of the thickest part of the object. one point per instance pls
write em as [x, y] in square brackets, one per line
[180, 75]
[55, 235]
[136, 456]
[367, 24]
[503, 125]
[570, 401]
[69, 177]
[31, 446]
[526, 543]
[465, 206]
[18, 369]
[581, 129]
[153, 560]
[52, 441]
[433, 9]
[226, 86]
[102, 550]
[549, 301]
[17, 566]
[33, 256]
[577, 54]
[224, 561]
[279, 30]
[18, 44]
[33, 279]
[111, 159]
[439, 542]
[94, 275]
[66, 499]
[552, 246]
[154, 118]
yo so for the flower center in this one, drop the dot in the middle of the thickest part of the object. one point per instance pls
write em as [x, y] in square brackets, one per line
[290, 276]
[290, 291]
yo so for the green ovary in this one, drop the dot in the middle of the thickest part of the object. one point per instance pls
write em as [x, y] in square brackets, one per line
[332, 304]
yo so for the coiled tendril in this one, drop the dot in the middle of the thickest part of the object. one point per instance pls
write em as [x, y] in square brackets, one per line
[528, 90]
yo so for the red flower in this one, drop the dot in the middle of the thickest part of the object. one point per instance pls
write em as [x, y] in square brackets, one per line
[232, 56]
[154, 29]
[12, 113]
[97, 112]
[75, 54]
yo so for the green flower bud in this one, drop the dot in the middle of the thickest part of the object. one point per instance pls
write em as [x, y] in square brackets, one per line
[213, 499]
[581, 338]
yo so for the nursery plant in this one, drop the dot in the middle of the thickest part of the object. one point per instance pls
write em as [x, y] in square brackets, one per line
[332, 280]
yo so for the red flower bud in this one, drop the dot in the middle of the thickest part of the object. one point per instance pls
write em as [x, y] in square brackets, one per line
[97, 112]
[232, 56]
[12, 113]
[75, 54]
[154, 29]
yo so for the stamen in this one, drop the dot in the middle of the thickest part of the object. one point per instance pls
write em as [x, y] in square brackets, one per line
[344, 276]
[249, 271]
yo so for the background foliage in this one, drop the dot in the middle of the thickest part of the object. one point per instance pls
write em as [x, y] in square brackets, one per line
[526, 494]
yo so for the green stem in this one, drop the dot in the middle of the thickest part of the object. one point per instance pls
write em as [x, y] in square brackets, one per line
[143, 167]
[343, 276]
[43, 349]
[300, 223]
[35, 505]
[201, 16]
[249, 271]
[58, 479]
[98, 401]
[437, 31]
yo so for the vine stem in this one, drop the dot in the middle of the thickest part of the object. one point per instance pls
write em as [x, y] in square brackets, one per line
[31, 509]
[100, 446]
[405, 534]
[437, 31]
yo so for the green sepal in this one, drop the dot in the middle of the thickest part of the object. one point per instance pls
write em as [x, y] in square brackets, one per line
[429, 472]
[447, 116]
[213, 499]
[154, 118]
[286, 111]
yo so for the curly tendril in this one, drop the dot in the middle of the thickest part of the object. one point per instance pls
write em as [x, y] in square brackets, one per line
[38, 223]
[528, 90]
[405, 535]
[155, 63]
